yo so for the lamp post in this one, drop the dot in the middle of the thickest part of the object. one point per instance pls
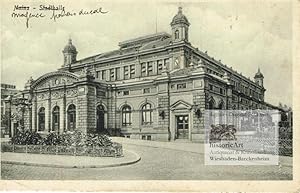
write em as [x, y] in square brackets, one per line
[197, 110]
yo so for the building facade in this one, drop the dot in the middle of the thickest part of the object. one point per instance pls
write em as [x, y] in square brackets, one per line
[155, 87]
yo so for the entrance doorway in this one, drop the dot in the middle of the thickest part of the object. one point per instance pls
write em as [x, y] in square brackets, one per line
[182, 127]
[55, 119]
[100, 118]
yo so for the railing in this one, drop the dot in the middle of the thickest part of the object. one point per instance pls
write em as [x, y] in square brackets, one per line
[115, 150]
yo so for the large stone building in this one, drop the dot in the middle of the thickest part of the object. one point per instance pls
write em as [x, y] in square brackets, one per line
[154, 87]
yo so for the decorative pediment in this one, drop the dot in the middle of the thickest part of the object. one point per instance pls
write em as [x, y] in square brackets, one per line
[54, 79]
[180, 105]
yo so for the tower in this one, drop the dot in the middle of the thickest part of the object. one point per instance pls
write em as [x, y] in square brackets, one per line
[259, 78]
[180, 27]
[70, 54]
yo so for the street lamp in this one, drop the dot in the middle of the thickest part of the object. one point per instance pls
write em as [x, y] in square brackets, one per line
[197, 110]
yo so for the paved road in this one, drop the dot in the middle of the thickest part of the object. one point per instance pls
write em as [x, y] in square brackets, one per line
[156, 164]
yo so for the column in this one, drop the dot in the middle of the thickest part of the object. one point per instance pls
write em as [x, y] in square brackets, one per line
[122, 72]
[137, 69]
[30, 118]
[107, 75]
[64, 122]
[155, 67]
[34, 114]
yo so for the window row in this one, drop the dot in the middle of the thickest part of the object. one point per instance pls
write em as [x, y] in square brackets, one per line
[179, 86]
[71, 118]
[146, 115]
[248, 91]
[127, 92]
[129, 72]
[216, 89]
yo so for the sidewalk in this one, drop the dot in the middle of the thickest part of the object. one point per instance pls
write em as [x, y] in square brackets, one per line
[187, 146]
[64, 161]
[175, 145]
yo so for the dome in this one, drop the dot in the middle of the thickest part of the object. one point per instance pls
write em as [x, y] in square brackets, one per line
[179, 18]
[70, 48]
[259, 74]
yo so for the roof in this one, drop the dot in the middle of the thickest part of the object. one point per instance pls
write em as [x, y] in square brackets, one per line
[70, 48]
[259, 74]
[144, 39]
[134, 45]
[181, 72]
[180, 18]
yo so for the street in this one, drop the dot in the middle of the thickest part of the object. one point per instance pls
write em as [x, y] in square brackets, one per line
[155, 164]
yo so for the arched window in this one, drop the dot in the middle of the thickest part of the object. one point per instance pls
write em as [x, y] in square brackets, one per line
[55, 118]
[221, 113]
[126, 115]
[71, 117]
[147, 114]
[41, 118]
[211, 104]
[176, 34]
[221, 105]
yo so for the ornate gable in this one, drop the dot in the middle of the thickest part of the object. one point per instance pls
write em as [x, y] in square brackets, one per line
[180, 105]
[54, 79]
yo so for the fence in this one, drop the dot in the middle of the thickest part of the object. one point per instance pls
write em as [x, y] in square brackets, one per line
[115, 150]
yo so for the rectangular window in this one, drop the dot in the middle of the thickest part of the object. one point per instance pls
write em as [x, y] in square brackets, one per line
[159, 66]
[149, 137]
[112, 74]
[166, 63]
[98, 74]
[118, 75]
[143, 70]
[211, 87]
[181, 86]
[143, 137]
[126, 73]
[103, 76]
[126, 92]
[146, 90]
[221, 91]
[150, 68]
[132, 71]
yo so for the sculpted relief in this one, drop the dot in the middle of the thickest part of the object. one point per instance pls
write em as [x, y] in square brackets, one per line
[72, 92]
[55, 81]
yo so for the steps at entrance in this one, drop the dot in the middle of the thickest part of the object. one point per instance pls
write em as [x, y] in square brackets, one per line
[182, 141]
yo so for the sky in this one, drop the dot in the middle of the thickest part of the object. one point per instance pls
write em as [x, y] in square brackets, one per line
[245, 35]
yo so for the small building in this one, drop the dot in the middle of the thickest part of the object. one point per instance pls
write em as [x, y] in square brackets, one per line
[7, 91]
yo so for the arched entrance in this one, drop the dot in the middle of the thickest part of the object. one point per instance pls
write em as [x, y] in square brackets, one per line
[100, 118]
[71, 117]
[55, 119]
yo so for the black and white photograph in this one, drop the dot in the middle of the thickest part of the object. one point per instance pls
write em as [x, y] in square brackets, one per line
[148, 90]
